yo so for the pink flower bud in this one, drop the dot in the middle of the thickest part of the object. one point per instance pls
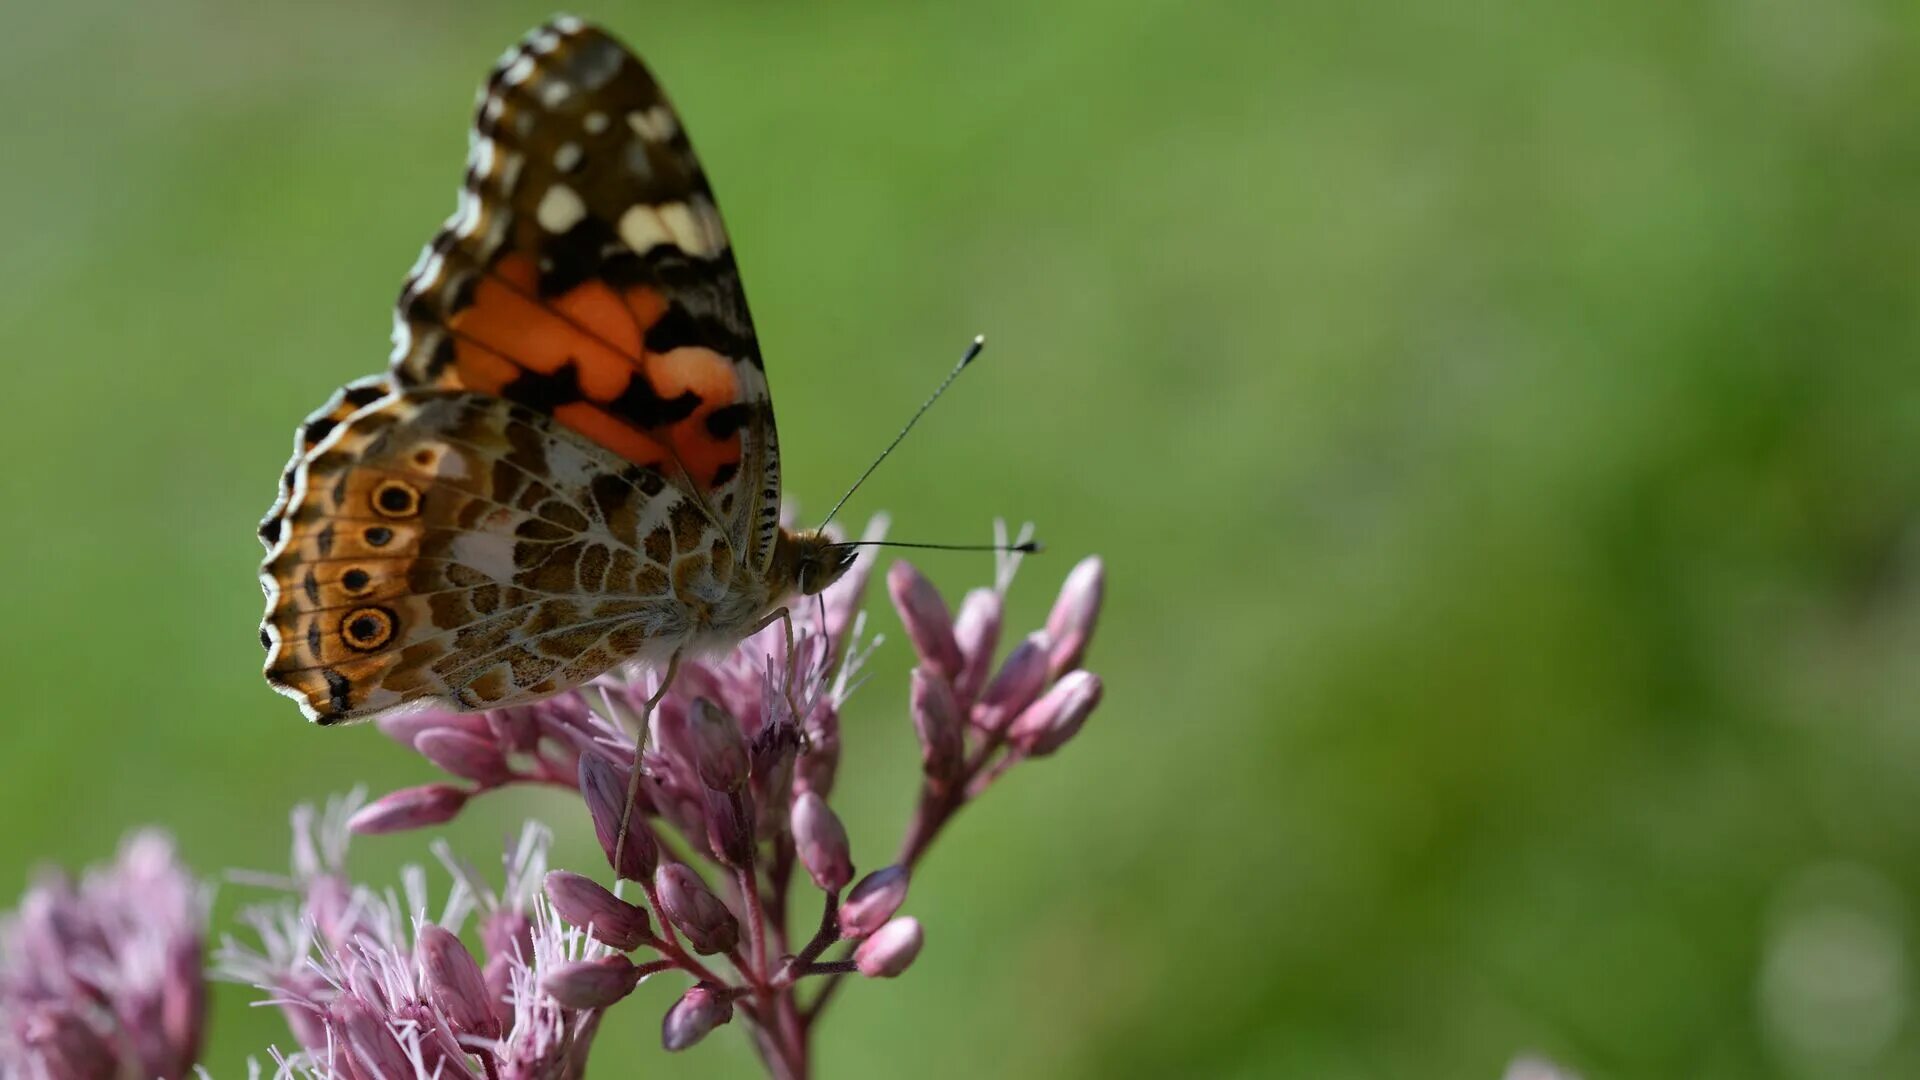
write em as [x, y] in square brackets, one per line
[1020, 680]
[582, 902]
[926, 618]
[61, 1044]
[775, 760]
[468, 756]
[1070, 624]
[719, 751]
[329, 903]
[891, 948]
[367, 1040]
[873, 901]
[977, 631]
[604, 787]
[693, 909]
[820, 761]
[729, 833]
[506, 932]
[938, 721]
[701, 1009]
[498, 972]
[821, 842]
[407, 727]
[592, 984]
[454, 980]
[1047, 724]
[517, 730]
[409, 808]
[309, 1027]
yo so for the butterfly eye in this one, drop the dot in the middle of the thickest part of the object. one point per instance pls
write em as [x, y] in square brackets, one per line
[396, 499]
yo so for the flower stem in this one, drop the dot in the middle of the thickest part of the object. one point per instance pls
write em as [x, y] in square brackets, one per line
[828, 933]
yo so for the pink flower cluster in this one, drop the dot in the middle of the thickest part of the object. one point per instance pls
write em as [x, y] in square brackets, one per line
[375, 988]
[731, 806]
[100, 978]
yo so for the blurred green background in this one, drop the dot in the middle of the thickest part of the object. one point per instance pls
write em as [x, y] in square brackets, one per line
[1501, 424]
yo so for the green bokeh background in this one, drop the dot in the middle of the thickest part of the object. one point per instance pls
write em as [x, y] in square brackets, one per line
[1501, 424]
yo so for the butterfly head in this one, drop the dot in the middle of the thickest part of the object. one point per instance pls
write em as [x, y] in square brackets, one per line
[817, 560]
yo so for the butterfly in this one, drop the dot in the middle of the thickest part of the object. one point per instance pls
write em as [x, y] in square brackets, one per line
[570, 463]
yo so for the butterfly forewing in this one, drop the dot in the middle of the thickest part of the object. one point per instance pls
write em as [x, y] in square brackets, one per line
[587, 274]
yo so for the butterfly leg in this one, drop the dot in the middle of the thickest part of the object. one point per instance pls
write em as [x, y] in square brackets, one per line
[639, 740]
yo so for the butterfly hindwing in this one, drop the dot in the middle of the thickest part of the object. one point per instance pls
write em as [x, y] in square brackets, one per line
[587, 274]
[441, 545]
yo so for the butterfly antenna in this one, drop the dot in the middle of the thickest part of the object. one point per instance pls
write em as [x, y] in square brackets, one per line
[973, 350]
[1024, 547]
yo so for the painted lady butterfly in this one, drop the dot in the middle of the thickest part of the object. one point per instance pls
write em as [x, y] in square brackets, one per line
[571, 462]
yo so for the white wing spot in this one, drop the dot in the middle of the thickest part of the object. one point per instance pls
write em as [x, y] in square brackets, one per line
[491, 553]
[655, 125]
[567, 158]
[518, 71]
[594, 122]
[641, 228]
[554, 91]
[560, 209]
[695, 227]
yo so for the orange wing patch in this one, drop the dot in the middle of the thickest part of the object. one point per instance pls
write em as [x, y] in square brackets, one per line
[583, 357]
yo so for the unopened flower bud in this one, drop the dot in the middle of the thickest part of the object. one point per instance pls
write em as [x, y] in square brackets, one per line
[329, 903]
[701, 1009]
[507, 935]
[976, 629]
[925, 616]
[873, 901]
[939, 723]
[604, 787]
[466, 755]
[719, 750]
[62, 1044]
[405, 728]
[1047, 724]
[453, 979]
[694, 910]
[584, 903]
[729, 833]
[1019, 681]
[592, 984]
[366, 1039]
[891, 948]
[819, 761]
[498, 971]
[1070, 624]
[409, 808]
[507, 932]
[821, 842]
[515, 729]
[775, 755]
